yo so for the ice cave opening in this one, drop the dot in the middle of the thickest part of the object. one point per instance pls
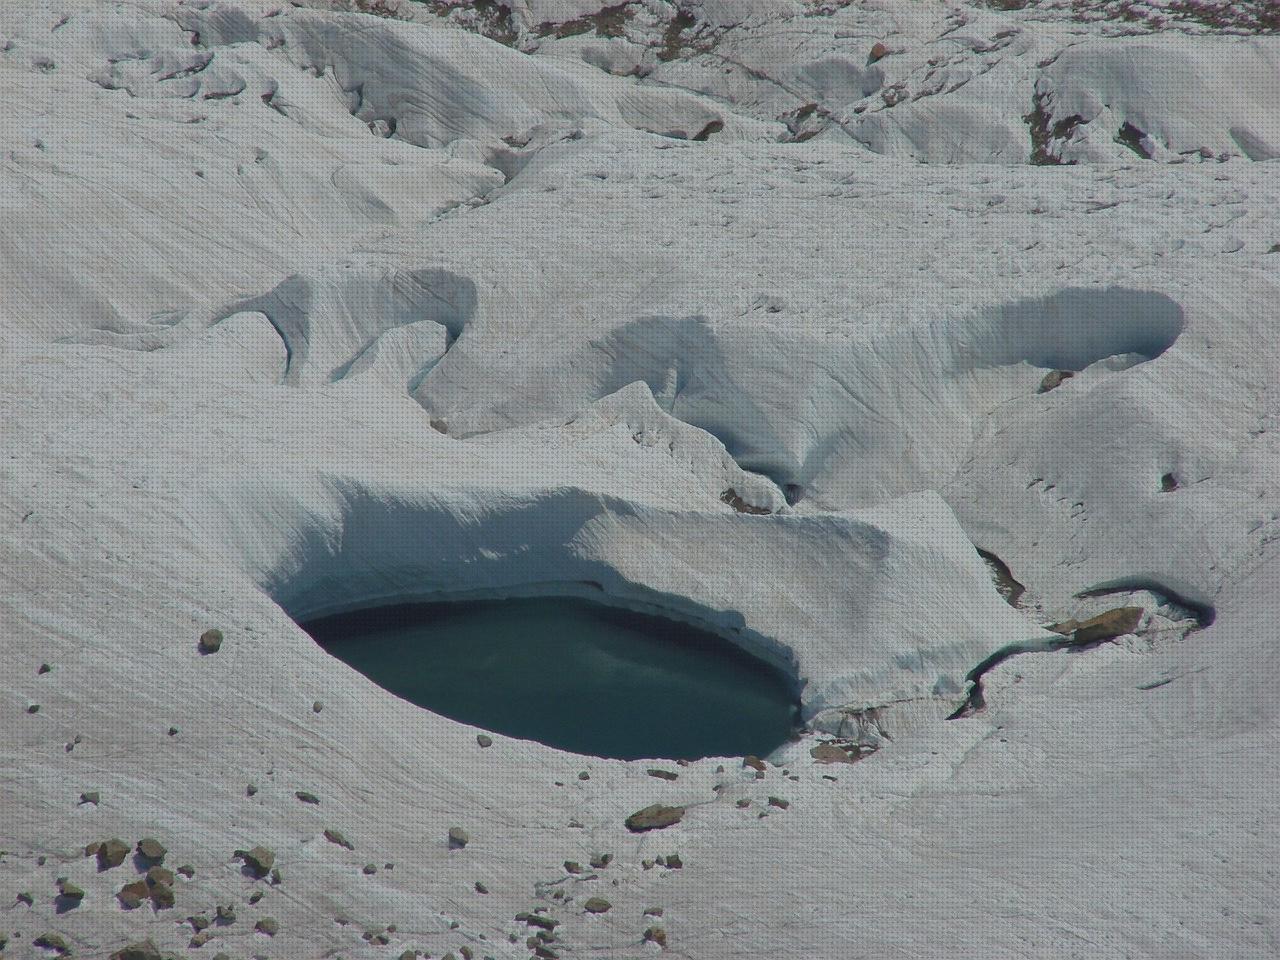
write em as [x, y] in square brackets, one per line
[571, 673]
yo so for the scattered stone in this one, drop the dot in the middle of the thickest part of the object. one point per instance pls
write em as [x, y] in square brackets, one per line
[306, 797]
[1168, 483]
[275, 877]
[646, 864]
[335, 836]
[268, 926]
[458, 838]
[146, 950]
[159, 876]
[597, 905]
[70, 890]
[744, 803]
[33, 708]
[654, 817]
[370, 869]
[601, 860]
[131, 895]
[317, 706]
[653, 912]
[226, 914]
[198, 923]
[481, 888]
[210, 641]
[1105, 626]
[754, 762]
[664, 774]
[162, 896]
[111, 853]
[537, 920]
[90, 796]
[26, 898]
[173, 731]
[656, 935]
[152, 849]
[878, 52]
[255, 896]
[779, 803]
[572, 866]
[674, 862]
[584, 775]
[466, 952]
[830, 753]
[259, 860]
[44, 668]
[51, 941]
[200, 939]
[682, 763]
[251, 789]
[187, 870]
[484, 740]
[1054, 379]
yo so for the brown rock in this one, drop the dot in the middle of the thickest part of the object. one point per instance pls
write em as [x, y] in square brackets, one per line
[484, 740]
[458, 838]
[111, 853]
[537, 920]
[159, 875]
[260, 860]
[755, 763]
[145, 950]
[131, 895]
[334, 836]
[779, 803]
[1054, 379]
[654, 817]
[162, 896]
[664, 774]
[1109, 625]
[268, 926]
[656, 935]
[210, 641]
[830, 753]
[152, 849]
[597, 905]
[878, 52]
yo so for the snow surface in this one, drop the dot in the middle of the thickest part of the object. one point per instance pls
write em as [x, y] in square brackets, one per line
[303, 309]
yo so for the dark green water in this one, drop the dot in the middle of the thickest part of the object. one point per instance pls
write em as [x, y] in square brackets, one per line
[572, 674]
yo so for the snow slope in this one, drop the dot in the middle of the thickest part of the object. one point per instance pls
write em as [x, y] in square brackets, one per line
[764, 315]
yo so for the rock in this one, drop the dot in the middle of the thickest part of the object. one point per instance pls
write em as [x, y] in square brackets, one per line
[1054, 379]
[458, 838]
[275, 877]
[878, 52]
[198, 923]
[152, 849]
[33, 708]
[755, 763]
[259, 860]
[597, 905]
[210, 641]
[674, 862]
[173, 731]
[369, 869]
[226, 914]
[335, 836]
[779, 803]
[572, 866]
[1107, 626]
[656, 935]
[654, 817]
[187, 870]
[584, 775]
[111, 853]
[646, 864]
[602, 860]
[255, 896]
[317, 706]
[44, 668]
[744, 803]
[251, 789]
[70, 890]
[653, 912]
[484, 740]
[90, 796]
[161, 896]
[537, 920]
[306, 797]
[268, 926]
[481, 888]
[91, 849]
[146, 950]
[200, 939]
[158, 876]
[131, 895]
[664, 774]
[830, 753]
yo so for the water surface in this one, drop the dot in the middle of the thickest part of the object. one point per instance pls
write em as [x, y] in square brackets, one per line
[573, 674]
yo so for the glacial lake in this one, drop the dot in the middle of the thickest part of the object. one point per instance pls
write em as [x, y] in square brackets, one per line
[572, 674]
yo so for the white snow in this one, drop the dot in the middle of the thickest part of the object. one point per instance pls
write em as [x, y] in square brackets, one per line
[303, 309]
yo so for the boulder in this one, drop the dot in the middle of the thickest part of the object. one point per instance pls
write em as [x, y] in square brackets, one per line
[597, 905]
[111, 853]
[654, 817]
[210, 641]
